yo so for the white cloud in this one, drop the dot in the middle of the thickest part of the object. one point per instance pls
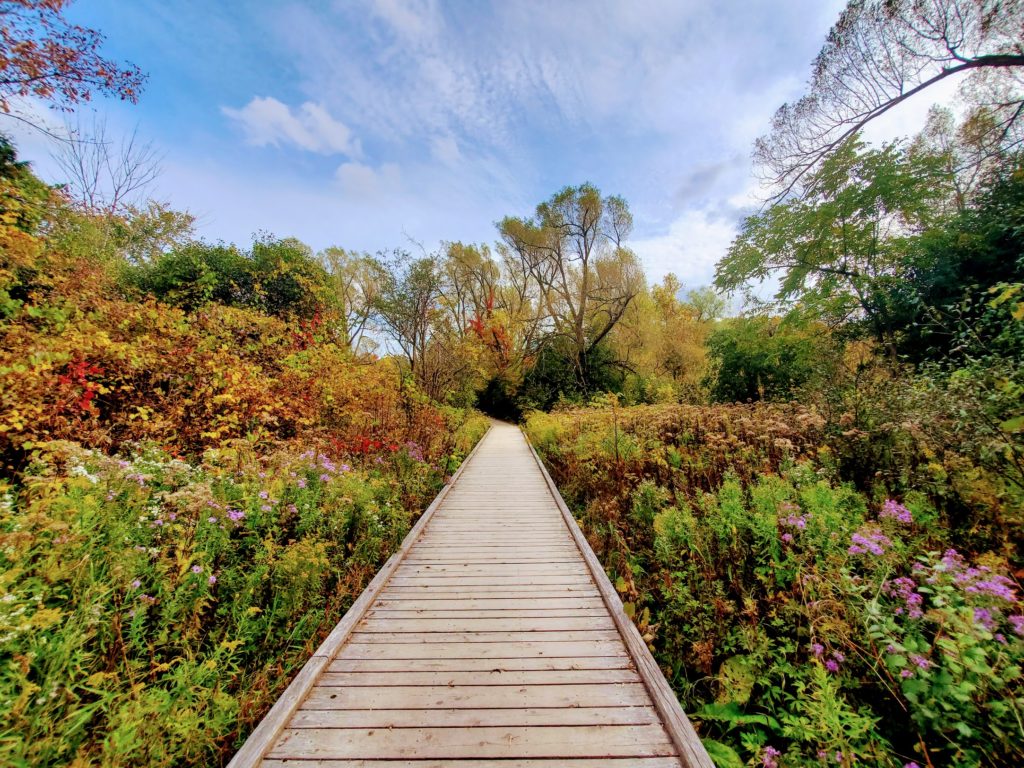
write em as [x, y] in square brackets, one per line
[446, 150]
[412, 20]
[363, 183]
[694, 243]
[265, 120]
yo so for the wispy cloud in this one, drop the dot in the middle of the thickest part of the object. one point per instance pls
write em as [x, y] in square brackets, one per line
[267, 121]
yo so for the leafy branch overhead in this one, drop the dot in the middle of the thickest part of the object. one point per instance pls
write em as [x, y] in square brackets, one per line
[879, 54]
[43, 55]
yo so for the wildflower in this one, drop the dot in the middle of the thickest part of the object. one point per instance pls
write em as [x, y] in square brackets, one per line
[293, 509]
[769, 758]
[995, 586]
[212, 580]
[172, 516]
[905, 589]
[136, 584]
[891, 649]
[235, 514]
[324, 478]
[197, 569]
[147, 599]
[795, 521]
[920, 661]
[266, 508]
[1017, 622]
[301, 482]
[869, 540]
[832, 665]
[896, 511]
[905, 673]
[345, 468]
[788, 538]
[211, 519]
[264, 495]
[911, 764]
[817, 649]
[983, 617]
[838, 656]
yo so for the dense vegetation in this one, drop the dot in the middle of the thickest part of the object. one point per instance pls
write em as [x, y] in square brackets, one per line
[828, 569]
[199, 479]
[813, 510]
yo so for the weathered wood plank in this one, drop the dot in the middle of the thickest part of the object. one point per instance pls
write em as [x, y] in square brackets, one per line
[509, 650]
[478, 696]
[566, 741]
[488, 665]
[490, 677]
[560, 624]
[473, 718]
[613, 762]
[491, 638]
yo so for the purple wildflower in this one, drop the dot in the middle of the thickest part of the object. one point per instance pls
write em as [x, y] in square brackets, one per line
[136, 584]
[905, 673]
[211, 519]
[770, 757]
[911, 764]
[896, 511]
[197, 569]
[345, 468]
[266, 508]
[920, 661]
[983, 617]
[832, 665]
[264, 495]
[788, 538]
[324, 478]
[1017, 622]
[995, 586]
[235, 514]
[905, 589]
[301, 482]
[795, 521]
[212, 580]
[838, 656]
[817, 649]
[869, 540]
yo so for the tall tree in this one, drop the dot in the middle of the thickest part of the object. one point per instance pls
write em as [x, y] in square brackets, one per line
[357, 280]
[841, 252]
[43, 55]
[573, 250]
[104, 176]
[881, 53]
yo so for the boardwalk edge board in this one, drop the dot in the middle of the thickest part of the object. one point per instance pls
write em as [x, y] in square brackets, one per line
[270, 727]
[691, 751]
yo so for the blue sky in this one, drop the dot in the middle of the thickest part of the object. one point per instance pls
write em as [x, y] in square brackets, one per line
[370, 123]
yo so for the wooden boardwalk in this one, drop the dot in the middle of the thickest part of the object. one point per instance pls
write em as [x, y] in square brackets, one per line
[491, 639]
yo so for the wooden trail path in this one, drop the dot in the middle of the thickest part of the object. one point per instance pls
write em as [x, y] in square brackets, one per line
[491, 639]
